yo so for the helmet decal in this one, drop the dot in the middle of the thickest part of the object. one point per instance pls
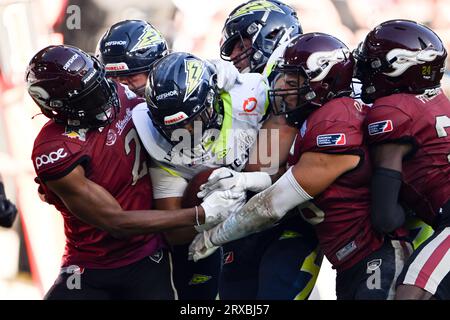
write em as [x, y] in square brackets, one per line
[406, 58]
[254, 6]
[149, 37]
[38, 93]
[194, 71]
[318, 60]
[121, 66]
[175, 118]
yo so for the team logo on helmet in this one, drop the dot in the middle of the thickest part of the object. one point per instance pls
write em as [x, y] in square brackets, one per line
[38, 93]
[406, 58]
[150, 37]
[254, 7]
[194, 71]
[323, 61]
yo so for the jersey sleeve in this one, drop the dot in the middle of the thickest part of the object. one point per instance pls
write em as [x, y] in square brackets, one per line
[167, 184]
[334, 137]
[55, 159]
[388, 124]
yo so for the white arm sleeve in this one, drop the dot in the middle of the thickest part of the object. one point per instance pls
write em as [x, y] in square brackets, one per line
[261, 211]
[166, 185]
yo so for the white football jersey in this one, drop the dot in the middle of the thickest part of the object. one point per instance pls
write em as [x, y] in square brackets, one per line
[244, 108]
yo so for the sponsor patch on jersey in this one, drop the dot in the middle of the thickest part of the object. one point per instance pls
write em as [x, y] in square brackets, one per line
[111, 137]
[250, 104]
[52, 157]
[380, 127]
[334, 139]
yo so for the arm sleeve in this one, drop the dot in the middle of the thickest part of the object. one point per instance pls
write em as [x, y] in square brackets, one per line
[386, 213]
[166, 184]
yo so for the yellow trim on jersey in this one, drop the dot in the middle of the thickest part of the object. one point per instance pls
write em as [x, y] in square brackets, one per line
[413, 223]
[169, 171]
[268, 69]
[310, 266]
[220, 147]
[266, 104]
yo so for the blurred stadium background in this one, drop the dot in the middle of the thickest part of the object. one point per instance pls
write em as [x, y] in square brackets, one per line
[30, 252]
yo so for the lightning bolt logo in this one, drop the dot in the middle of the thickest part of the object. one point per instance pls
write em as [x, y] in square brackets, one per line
[194, 71]
[149, 37]
[254, 7]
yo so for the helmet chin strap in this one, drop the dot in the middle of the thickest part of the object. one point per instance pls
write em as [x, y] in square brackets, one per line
[140, 91]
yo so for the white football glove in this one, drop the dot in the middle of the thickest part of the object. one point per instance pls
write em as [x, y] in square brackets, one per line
[227, 74]
[201, 247]
[227, 179]
[219, 205]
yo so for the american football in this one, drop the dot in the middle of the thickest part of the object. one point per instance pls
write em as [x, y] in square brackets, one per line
[190, 198]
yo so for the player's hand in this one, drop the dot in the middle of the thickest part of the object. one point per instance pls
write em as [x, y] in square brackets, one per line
[219, 205]
[227, 74]
[227, 179]
[8, 212]
[201, 247]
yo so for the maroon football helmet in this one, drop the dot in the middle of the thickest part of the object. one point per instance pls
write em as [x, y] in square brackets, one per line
[316, 67]
[399, 56]
[70, 87]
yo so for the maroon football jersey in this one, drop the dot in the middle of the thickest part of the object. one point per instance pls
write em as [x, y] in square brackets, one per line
[340, 214]
[114, 159]
[423, 121]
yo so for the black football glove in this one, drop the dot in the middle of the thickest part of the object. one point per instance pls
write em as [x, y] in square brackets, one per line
[8, 210]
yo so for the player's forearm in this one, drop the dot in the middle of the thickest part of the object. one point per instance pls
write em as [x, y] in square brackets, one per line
[94, 205]
[262, 210]
[129, 223]
[176, 236]
[271, 151]
[386, 213]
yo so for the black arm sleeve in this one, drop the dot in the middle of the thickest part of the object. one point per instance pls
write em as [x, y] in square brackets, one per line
[8, 210]
[386, 212]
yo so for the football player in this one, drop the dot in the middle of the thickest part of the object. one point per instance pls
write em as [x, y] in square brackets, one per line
[400, 64]
[219, 128]
[128, 50]
[8, 210]
[330, 172]
[266, 265]
[92, 168]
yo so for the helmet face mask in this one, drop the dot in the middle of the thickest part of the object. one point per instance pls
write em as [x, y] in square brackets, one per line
[74, 91]
[314, 69]
[399, 56]
[291, 94]
[265, 24]
[181, 94]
